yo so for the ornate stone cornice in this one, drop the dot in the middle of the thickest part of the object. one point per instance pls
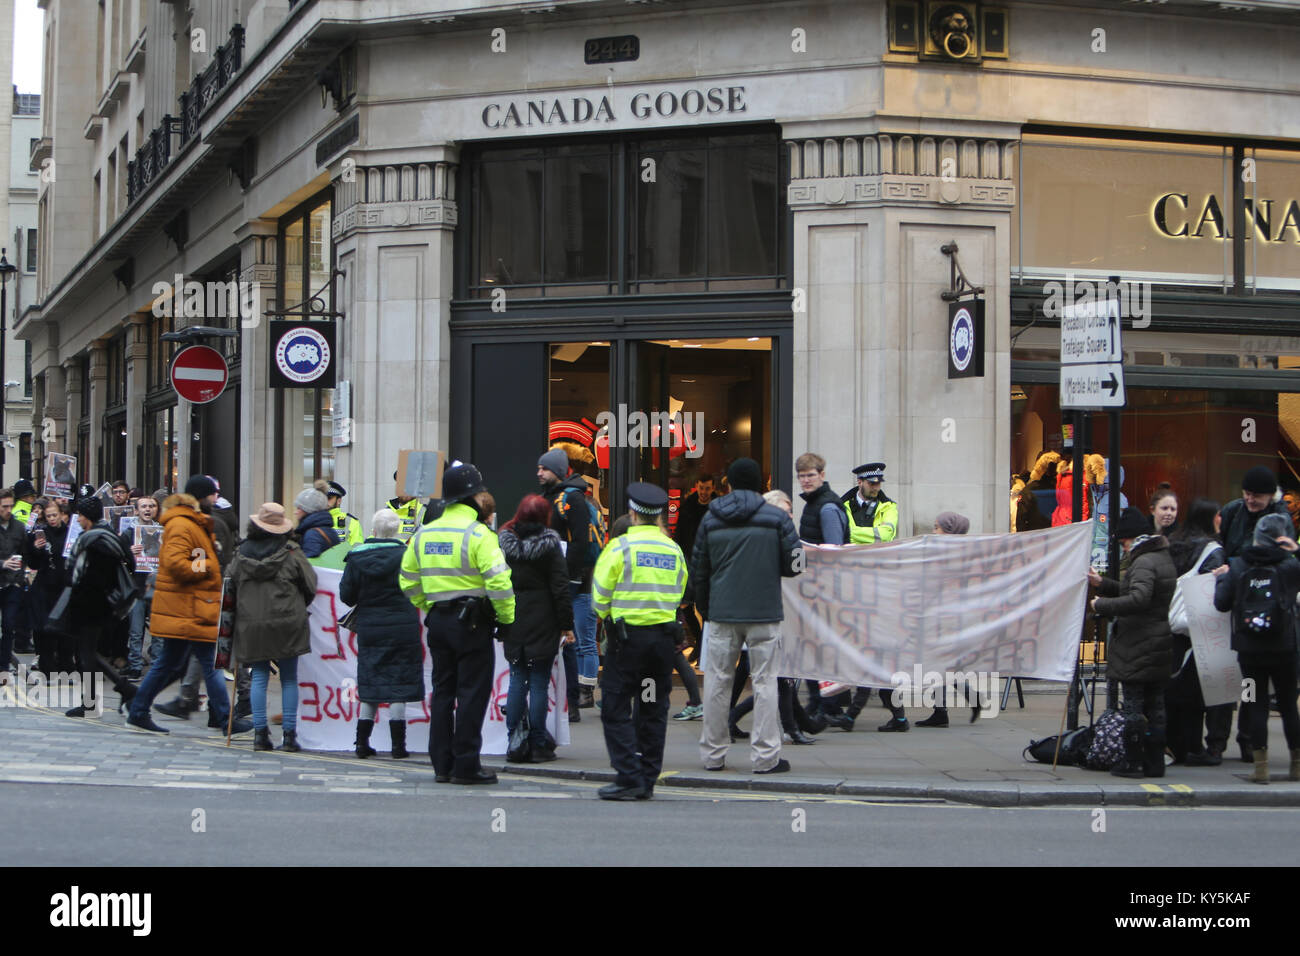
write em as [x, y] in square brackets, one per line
[394, 197]
[884, 170]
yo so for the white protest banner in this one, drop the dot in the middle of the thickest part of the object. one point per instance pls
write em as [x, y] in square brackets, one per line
[1006, 603]
[1211, 635]
[328, 707]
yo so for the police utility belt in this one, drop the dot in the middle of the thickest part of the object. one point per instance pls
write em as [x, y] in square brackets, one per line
[475, 611]
[616, 631]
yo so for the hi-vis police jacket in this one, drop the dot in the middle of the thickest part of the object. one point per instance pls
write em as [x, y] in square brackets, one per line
[409, 513]
[457, 556]
[640, 577]
[879, 516]
[348, 527]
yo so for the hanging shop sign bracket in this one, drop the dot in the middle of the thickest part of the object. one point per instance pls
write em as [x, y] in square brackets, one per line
[312, 307]
[959, 287]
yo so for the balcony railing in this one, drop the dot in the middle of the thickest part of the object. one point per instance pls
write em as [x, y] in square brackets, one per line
[154, 155]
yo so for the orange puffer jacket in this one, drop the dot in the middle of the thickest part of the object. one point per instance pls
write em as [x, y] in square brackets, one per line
[187, 592]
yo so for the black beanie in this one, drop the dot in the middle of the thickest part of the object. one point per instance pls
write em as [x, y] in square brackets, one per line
[200, 486]
[92, 508]
[743, 475]
[1259, 481]
[1132, 524]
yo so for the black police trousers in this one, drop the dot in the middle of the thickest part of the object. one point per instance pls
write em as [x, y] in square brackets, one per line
[462, 658]
[640, 669]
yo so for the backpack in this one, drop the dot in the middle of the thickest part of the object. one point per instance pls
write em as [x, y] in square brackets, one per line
[1107, 741]
[1074, 748]
[597, 534]
[1258, 610]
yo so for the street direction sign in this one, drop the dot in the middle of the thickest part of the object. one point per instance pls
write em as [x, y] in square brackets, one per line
[1100, 385]
[199, 374]
[1090, 333]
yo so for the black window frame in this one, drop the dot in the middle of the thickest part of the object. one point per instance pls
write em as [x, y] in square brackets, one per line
[626, 149]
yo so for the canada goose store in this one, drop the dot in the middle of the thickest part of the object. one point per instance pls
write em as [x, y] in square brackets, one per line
[1204, 237]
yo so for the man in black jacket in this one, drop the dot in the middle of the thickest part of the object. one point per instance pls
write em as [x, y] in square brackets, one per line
[571, 519]
[743, 548]
[1237, 523]
[92, 570]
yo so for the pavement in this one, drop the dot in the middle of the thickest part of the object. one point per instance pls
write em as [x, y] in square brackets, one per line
[978, 763]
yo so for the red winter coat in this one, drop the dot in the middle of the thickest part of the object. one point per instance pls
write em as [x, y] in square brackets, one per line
[1064, 506]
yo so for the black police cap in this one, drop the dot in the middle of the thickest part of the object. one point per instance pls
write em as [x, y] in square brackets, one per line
[646, 498]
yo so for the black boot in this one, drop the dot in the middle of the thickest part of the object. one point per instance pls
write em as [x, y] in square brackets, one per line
[364, 727]
[291, 742]
[799, 737]
[397, 730]
[1130, 765]
[1153, 754]
[262, 739]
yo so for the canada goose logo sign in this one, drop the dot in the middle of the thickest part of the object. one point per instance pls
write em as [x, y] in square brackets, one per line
[961, 344]
[302, 354]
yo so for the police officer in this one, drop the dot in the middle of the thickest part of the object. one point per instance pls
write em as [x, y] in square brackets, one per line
[24, 496]
[347, 525]
[637, 585]
[873, 517]
[451, 568]
[408, 509]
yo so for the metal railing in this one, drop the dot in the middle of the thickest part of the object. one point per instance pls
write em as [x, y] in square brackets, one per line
[156, 153]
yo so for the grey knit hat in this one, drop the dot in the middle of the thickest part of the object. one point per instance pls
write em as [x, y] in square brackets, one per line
[555, 460]
[1270, 527]
[310, 501]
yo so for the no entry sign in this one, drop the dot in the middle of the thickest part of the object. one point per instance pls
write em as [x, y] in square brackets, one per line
[199, 374]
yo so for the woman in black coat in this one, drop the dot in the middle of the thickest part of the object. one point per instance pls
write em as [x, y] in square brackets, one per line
[390, 655]
[1141, 654]
[44, 552]
[543, 611]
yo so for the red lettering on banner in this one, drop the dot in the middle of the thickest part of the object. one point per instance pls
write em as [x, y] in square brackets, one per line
[424, 706]
[304, 702]
[329, 700]
[497, 712]
[335, 628]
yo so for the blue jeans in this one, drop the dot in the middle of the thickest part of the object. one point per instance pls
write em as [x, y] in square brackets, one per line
[584, 626]
[135, 643]
[288, 691]
[170, 665]
[531, 678]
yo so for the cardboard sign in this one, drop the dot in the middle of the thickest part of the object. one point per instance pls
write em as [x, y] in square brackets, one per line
[149, 538]
[419, 473]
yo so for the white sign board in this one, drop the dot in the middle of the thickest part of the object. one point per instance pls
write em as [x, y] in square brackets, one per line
[1092, 386]
[1090, 333]
[1211, 635]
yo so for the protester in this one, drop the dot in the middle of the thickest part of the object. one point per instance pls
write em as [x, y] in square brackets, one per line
[543, 614]
[315, 533]
[1259, 585]
[795, 722]
[571, 519]
[1184, 703]
[450, 569]
[44, 552]
[1236, 529]
[689, 516]
[271, 584]
[93, 572]
[947, 522]
[390, 658]
[13, 539]
[743, 548]
[121, 493]
[823, 521]
[1141, 652]
[145, 511]
[225, 535]
[186, 612]
[1164, 510]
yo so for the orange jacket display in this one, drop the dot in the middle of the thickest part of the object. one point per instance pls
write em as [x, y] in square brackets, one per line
[187, 592]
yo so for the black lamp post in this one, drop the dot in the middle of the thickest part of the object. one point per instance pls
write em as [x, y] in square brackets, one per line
[6, 270]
